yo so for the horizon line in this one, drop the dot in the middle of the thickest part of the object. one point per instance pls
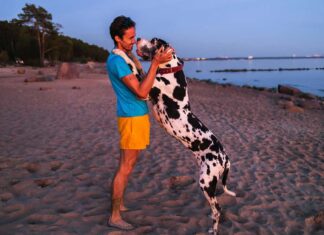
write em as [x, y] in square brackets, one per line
[253, 57]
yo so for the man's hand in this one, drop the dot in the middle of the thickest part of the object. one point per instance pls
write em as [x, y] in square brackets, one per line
[162, 56]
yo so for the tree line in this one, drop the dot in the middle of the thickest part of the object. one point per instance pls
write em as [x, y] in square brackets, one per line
[34, 39]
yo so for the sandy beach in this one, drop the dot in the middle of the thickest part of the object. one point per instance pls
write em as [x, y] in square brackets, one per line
[59, 151]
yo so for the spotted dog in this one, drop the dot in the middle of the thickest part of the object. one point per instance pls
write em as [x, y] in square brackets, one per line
[170, 103]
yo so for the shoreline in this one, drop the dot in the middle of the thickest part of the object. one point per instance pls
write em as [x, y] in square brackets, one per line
[274, 89]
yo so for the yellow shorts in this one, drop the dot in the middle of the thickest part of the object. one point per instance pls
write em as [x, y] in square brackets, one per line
[134, 132]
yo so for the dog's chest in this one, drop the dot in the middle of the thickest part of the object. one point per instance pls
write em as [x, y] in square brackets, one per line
[166, 83]
[169, 92]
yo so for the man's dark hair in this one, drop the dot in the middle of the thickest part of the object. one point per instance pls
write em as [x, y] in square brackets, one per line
[119, 26]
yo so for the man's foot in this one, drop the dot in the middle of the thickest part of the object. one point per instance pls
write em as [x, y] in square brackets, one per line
[120, 224]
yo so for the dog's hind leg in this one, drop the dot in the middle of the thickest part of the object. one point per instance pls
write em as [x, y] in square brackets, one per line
[208, 186]
[225, 175]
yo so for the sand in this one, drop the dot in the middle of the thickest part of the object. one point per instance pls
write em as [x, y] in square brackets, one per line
[59, 151]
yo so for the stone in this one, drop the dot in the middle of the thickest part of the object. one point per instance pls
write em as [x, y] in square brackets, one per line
[307, 96]
[21, 71]
[68, 71]
[290, 106]
[296, 109]
[288, 90]
[45, 88]
[309, 104]
[32, 167]
[286, 104]
[43, 78]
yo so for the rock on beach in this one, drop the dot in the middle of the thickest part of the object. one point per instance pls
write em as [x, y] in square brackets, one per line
[289, 90]
[68, 71]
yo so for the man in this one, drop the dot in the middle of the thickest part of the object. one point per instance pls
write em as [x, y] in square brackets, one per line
[132, 110]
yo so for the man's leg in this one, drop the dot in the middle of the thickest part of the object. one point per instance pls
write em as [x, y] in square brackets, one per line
[129, 152]
[128, 159]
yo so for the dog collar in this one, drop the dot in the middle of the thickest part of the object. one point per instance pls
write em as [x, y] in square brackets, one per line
[169, 70]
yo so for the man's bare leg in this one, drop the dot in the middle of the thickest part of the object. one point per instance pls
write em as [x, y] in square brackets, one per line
[128, 159]
[122, 206]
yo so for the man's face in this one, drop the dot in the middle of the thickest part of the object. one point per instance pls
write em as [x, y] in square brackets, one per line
[127, 42]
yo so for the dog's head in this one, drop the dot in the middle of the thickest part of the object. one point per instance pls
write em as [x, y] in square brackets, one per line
[147, 49]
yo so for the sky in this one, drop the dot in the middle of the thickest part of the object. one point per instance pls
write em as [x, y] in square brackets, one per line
[204, 28]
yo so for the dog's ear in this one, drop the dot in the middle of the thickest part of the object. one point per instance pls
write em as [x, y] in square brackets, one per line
[158, 43]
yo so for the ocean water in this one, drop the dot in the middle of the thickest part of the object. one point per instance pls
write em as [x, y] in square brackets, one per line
[310, 81]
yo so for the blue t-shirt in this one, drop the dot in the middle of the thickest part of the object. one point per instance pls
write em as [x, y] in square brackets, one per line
[128, 105]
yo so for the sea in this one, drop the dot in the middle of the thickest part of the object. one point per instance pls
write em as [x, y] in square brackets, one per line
[310, 80]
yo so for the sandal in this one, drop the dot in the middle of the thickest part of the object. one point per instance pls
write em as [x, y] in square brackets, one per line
[121, 225]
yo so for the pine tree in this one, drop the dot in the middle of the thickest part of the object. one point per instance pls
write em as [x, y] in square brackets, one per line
[41, 21]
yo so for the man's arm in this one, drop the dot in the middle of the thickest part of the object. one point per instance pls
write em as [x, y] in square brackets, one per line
[142, 89]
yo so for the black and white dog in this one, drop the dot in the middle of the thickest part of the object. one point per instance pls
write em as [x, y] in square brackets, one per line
[171, 107]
